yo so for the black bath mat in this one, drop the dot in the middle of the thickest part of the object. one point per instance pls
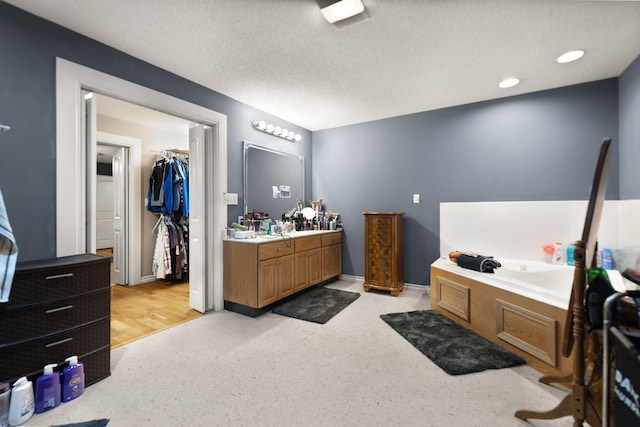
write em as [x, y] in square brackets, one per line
[94, 423]
[317, 305]
[454, 348]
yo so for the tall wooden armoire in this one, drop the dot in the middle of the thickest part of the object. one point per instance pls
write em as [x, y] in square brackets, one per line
[383, 251]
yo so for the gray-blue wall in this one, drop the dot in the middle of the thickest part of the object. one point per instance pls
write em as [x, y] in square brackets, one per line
[629, 83]
[540, 146]
[28, 48]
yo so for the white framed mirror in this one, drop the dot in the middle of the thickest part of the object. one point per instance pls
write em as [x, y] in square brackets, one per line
[273, 180]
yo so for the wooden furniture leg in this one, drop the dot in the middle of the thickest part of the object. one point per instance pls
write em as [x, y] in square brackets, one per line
[562, 410]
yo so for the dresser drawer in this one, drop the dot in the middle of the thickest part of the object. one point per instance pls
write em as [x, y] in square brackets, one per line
[331, 239]
[40, 281]
[26, 323]
[31, 356]
[274, 249]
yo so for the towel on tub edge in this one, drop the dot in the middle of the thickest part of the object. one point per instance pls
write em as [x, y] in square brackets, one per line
[484, 264]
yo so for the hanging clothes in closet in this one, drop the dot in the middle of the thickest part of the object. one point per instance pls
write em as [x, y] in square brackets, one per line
[168, 196]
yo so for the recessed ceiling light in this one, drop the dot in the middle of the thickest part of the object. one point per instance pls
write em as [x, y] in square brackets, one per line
[570, 56]
[342, 9]
[510, 82]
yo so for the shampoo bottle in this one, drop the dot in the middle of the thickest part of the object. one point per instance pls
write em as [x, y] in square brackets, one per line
[607, 259]
[558, 254]
[570, 260]
[72, 379]
[47, 390]
[21, 406]
[5, 392]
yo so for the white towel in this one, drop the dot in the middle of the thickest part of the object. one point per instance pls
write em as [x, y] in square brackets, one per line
[8, 253]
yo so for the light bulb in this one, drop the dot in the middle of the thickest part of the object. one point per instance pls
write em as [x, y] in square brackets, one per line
[262, 125]
[277, 130]
[298, 137]
[270, 128]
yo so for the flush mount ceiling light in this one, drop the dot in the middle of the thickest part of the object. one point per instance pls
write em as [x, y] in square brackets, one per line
[342, 10]
[265, 127]
[509, 82]
[571, 56]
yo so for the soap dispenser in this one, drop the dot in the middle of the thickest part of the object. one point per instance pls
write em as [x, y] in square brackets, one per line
[72, 379]
[21, 406]
[47, 390]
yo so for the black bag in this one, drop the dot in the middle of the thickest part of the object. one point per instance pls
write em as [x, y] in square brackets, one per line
[598, 291]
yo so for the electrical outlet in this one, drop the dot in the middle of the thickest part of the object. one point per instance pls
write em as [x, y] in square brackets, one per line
[416, 198]
[241, 219]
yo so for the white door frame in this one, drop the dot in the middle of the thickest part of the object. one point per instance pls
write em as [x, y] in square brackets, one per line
[134, 208]
[71, 78]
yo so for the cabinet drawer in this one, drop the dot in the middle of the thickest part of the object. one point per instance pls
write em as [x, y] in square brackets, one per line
[274, 249]
[31, 356]
[306, 243]
[35, 283]
[26, 323]
[331, 239]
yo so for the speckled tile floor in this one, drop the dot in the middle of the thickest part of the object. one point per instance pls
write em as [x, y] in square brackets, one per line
[225, 369]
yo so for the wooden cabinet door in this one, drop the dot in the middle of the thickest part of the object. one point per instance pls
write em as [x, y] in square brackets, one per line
[314, 266]
[267, 282]
[331, 261]
[301, 271]
[335, 260]
[286, 276]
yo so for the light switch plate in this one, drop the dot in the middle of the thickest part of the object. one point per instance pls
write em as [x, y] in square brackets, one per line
[416, 198]
[231, 198]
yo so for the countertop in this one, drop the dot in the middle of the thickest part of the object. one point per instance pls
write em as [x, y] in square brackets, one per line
[274, 237]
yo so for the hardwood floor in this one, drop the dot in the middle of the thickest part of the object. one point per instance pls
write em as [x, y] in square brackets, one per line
[141, 310]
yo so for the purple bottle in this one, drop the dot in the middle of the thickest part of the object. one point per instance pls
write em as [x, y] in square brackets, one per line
[72, 379]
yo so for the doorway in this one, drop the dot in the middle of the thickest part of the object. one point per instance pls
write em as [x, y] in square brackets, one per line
[208, 185]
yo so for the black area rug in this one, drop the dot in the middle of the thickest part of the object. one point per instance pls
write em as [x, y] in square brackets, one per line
[454, 348]
[94, 423]
[317, 305]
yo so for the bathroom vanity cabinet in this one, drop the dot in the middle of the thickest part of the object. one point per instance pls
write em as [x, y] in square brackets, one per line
[259, 272]
[57, 308]
[383, 251]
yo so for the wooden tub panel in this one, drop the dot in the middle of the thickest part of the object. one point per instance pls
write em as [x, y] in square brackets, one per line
[536, 338]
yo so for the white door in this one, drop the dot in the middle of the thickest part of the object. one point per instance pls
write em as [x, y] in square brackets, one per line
[90, 146]
[120, 166]
[104, 212]
[197, 224]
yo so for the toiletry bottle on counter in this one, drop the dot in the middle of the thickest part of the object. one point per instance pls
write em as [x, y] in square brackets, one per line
[72, 379]
[570, 260]
[558, 253]
[21, 406]
[607, 259]
[47, 390]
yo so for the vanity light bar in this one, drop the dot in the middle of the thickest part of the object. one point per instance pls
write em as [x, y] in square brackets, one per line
[265, 127]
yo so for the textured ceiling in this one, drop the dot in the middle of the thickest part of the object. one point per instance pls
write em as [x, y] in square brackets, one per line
[407, 56]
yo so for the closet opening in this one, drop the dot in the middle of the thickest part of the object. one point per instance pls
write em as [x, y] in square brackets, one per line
[144, 197]
[207, 148]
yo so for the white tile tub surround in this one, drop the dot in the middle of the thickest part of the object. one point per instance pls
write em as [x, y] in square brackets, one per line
[520, 229]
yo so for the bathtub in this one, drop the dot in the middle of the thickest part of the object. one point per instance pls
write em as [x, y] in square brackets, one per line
[522, 306]
[548, 283]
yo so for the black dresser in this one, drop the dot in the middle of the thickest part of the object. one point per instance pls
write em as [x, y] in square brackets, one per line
[57, 308]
